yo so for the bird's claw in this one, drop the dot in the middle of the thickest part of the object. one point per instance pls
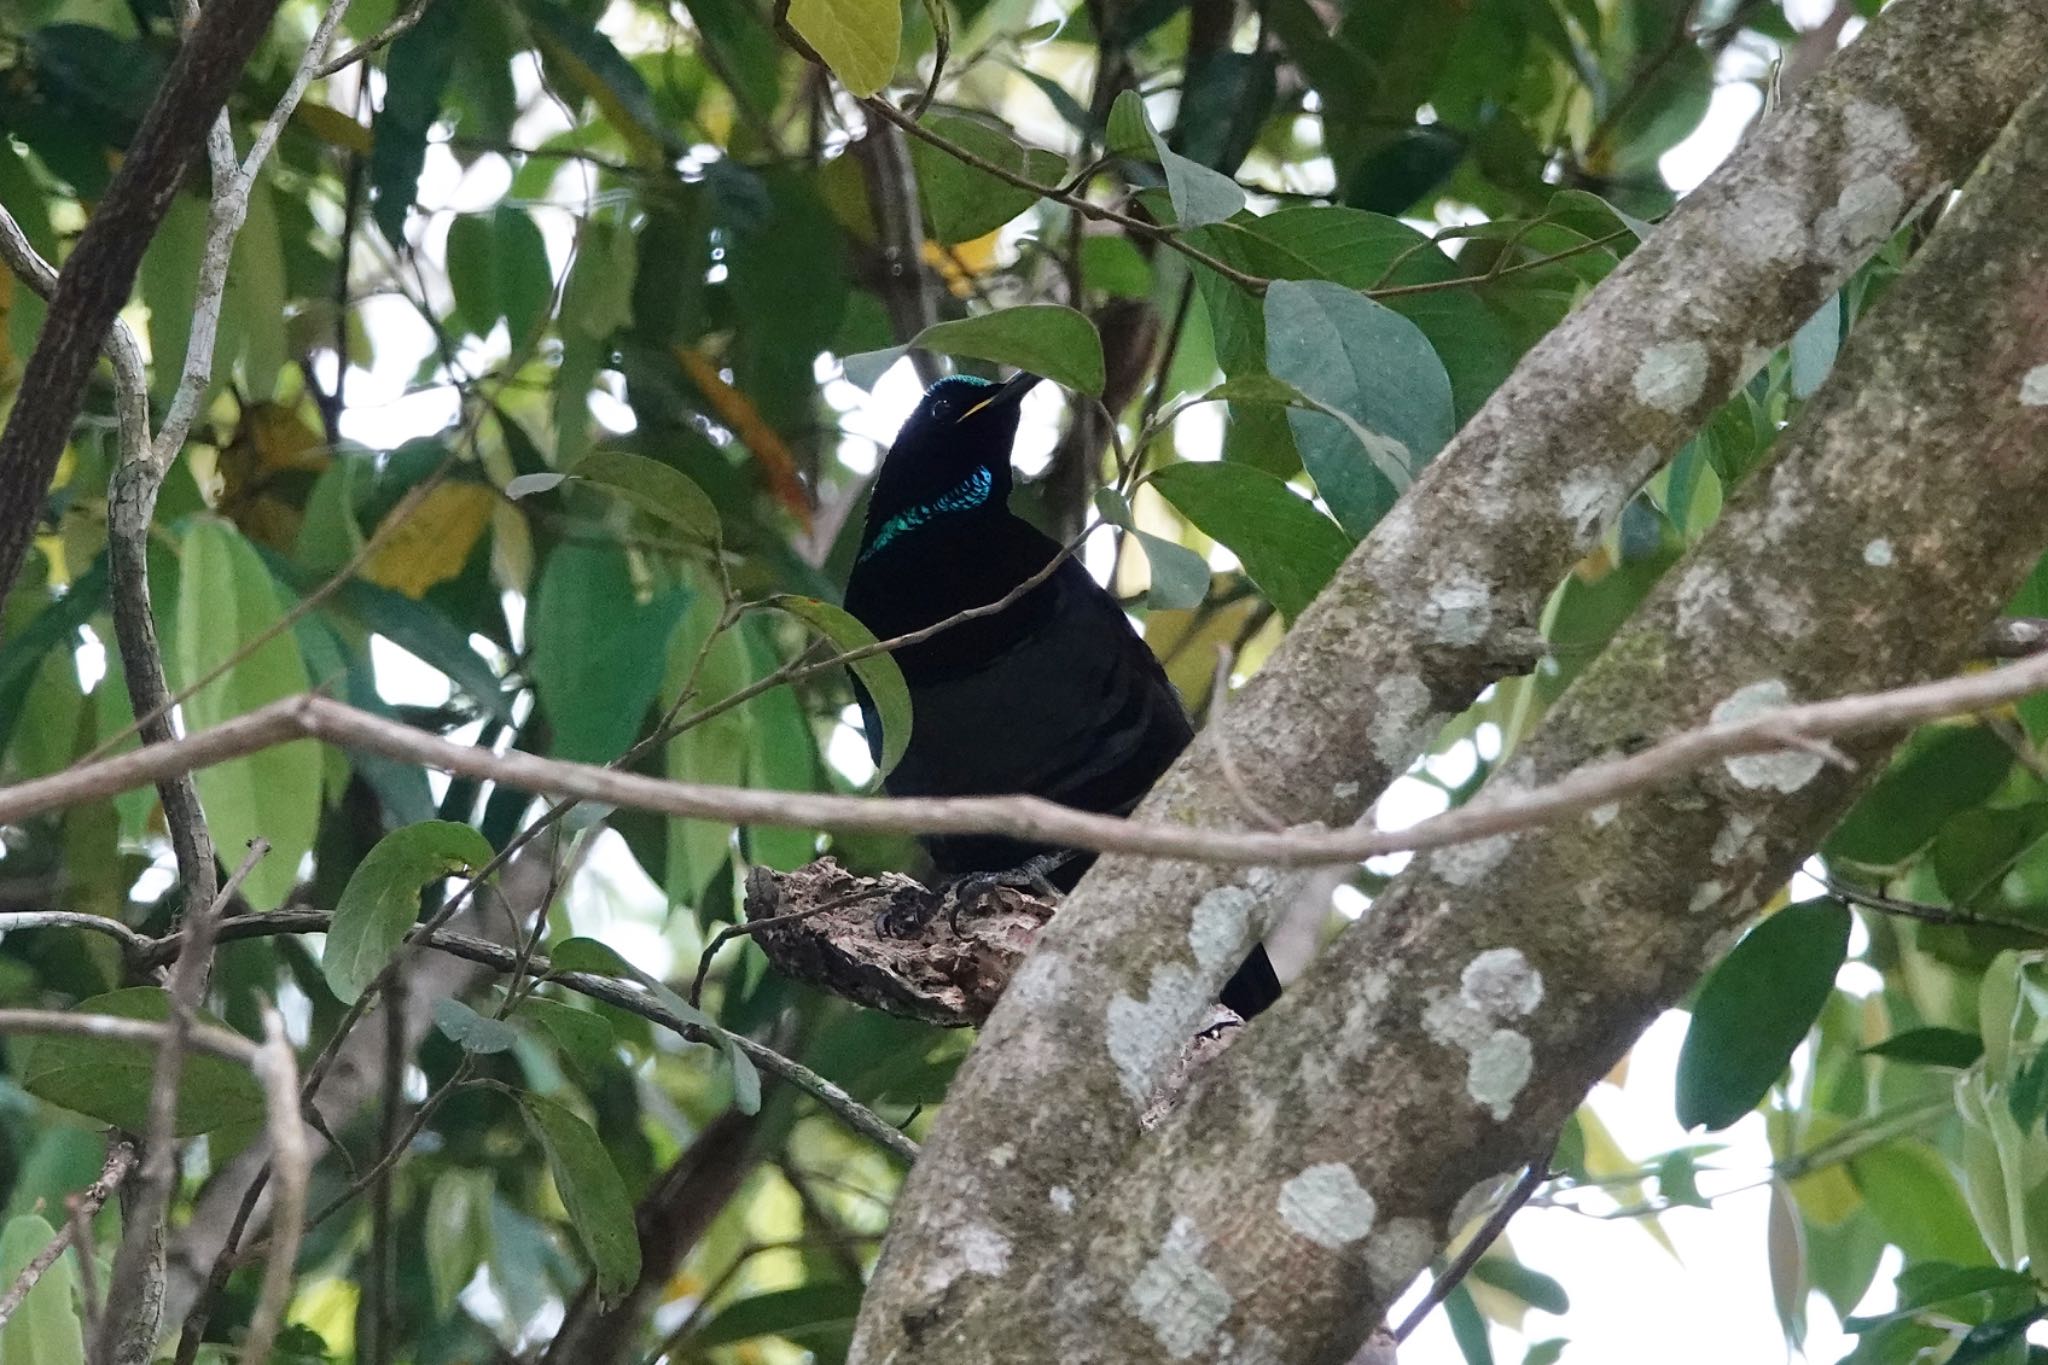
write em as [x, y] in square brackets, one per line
[905, 914]
[1034, 874]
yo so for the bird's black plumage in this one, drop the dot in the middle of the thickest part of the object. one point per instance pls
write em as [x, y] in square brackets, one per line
[1055, 696]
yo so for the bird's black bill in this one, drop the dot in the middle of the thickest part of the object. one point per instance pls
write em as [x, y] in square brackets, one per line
[1009, 391]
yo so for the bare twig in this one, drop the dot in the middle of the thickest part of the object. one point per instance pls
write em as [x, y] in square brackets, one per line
[120, 1161]
[96, 280]
[1793, 727]
[383, 38]
[1947, 915]
[1489, 1232]
[290, 1158]
[132, 1309]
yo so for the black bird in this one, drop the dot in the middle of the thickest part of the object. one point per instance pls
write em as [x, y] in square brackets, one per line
[1055, 696]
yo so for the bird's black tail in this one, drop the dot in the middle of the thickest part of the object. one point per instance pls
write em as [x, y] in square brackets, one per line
[1254, 987]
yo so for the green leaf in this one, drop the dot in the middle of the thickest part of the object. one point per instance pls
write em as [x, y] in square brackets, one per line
[597, 298]
[381, 902]
[1949, 1047]
[795, 1313]
[1288, 548]
[1814, 346]
[878, 673]
[583, 1036]
[1044, 338]
[45, 1329]
[1532, 1287]
[858, 39]
[1755, 1008]
[1180, 577]
[712, 750]
[660, 490]
[1943, 769]
[962, 202]
[110, 1079]
[1347, 353]
[591, 1191]
[226, 599]
[598, 652]
[471, 1031]
[415, 74]
[498, 269]
[589, 955]
[1916, 1201]
[1201, 196]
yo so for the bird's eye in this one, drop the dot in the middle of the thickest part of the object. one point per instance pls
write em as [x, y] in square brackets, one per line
[942, 410]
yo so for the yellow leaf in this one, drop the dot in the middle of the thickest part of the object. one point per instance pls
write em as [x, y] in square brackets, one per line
[332, 127]
[859, 39]
[267, 473]
[433, 543]
[964, 262]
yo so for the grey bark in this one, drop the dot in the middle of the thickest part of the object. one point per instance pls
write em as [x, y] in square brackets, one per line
[1425, 614]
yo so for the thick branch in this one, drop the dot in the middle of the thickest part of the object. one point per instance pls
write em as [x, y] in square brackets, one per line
[1462, 1020]
[1426, 612]
[95, 281]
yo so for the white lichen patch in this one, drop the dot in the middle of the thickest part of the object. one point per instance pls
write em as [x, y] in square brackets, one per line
[1604, 815]
[1766, 224]
[1182, 1302]
[982, 1249]
[1001, 1155]
[1879, 134]
[1496, 986]
[1262, 881]
[1672, 375]
[1586, 501]
[1458, 611]
[1327, 1205]
[1400, 721]
[1061, 1198]
[1346, 793]
[1145, 1035]
[1464, 864]
[1863, 215]
[1878, 553]
[1705, 896]
[1397, 1252]
[2034, 388]
[1501, 983]
[1218, 927]
[1786, 770]
[1733, 839]
[1499, 1069]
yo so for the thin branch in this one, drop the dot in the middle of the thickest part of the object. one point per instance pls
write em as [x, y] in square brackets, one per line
[1926, 913]
[100, 273]
[120, 1161]
[1030, 818]
[137, 1262]
[1489, 1232]
[207, 1038]
[290, 1157]
[383, 38]
[610, 990]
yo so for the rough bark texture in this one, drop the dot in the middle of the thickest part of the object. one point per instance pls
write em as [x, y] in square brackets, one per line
[1277, 1212]
[96, 279]
[1420, 618]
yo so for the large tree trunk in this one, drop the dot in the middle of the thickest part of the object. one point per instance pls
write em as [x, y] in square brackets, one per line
[1317, 1167]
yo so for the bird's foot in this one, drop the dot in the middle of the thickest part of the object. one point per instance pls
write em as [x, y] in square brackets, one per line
[906, 912]
[1034, 874]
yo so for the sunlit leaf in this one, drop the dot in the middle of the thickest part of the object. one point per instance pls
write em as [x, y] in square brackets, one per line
[660, 490]
[1180, 577]
[857, 38]
[435, 539]
[1046, 339]
[226, 601]
[45, 1329]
